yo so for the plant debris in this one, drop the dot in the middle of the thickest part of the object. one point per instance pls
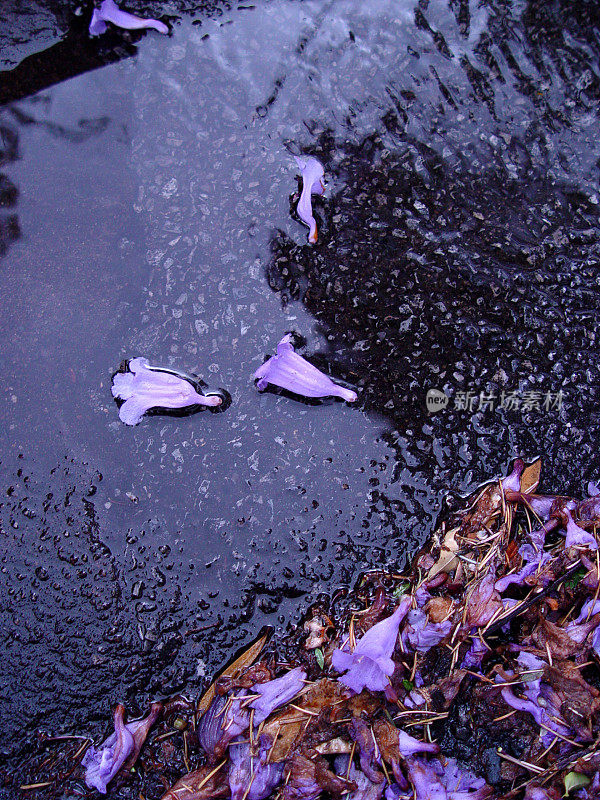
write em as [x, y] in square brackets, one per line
[473, 676]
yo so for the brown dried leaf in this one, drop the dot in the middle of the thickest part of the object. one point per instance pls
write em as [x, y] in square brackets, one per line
[438, 608]
[245, 660]
[206, 783]
[447, 560]
[301, 771]
[531, 477]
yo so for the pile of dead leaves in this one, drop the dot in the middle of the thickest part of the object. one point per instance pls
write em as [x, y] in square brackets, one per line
[474, 676]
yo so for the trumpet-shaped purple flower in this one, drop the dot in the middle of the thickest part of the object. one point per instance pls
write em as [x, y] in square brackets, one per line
[109, 11]
[222, 722]
[292, 372]
[102, 765]
[252, 777]
[576, 536]
[421, 634]
[145, 387]
[275, 693]
[370, 664]
[312, 183]
[409, 746]
[512, 482]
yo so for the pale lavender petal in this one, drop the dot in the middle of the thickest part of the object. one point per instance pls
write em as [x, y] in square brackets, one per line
[461, 782]
[541, 506]
[533, 561]
[409, 746]
[576, 536]
[252, 777]
[365, 788]
[97, 24]
[312, 183]
[102, 765]
[422, 635]
[474, 655]
[593, 489]
[370, 664]
[275, 693]
[109, 11]
[425, 781]
[145, 387]
[292, 372]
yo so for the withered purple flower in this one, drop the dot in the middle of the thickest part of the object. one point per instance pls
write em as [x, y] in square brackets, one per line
[102, 765]
[276, 693]
[421, 634]
[512, 482]
[251, 776]
[222, 722]
[370, 664]
[576, 536]
[145, 387]
[109, 11]
[292, 372]
[312, 183]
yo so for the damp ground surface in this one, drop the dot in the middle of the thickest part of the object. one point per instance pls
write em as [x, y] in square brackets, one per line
[146, 209]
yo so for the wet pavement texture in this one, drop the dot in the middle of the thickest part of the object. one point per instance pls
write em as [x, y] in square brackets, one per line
[146, 209]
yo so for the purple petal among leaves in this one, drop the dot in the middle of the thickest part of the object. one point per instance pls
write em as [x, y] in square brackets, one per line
[102, 765]
[145, 387]
[420, 634]
[276, 693]
[370, 664]
[251, 776]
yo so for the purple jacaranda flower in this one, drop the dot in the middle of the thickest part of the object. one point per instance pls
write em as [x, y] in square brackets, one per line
[474, 656]
[366, 789]
[102, 765]
[370, 664]
[409, 746]
[274, 694]
[576, 536]
[544, 717]
[433, 780]
[109, 11]
[425, 781]
[532, 562]
[462, 783]
[312, 183]
[251, 776]
[420, 634]
[541, 506]
[585, 624]
[222, 722]
[145, 387]
[395, 792]
[292, 372]
[512, 482]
